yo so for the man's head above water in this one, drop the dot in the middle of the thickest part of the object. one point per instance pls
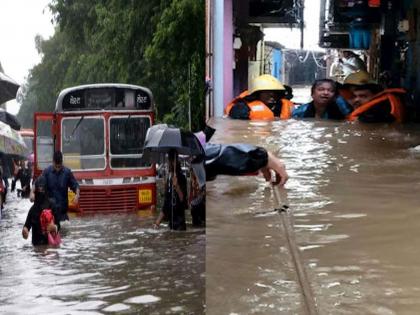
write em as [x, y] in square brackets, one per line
[267, 89]
[363, 94]
[361, 87]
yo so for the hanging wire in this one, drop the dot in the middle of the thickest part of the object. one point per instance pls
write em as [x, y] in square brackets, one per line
[319, 65]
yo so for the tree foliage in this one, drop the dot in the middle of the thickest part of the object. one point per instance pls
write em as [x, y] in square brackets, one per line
[181, 68]
[155, 43]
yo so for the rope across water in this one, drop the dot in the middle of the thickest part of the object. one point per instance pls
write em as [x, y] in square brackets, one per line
[280, 195]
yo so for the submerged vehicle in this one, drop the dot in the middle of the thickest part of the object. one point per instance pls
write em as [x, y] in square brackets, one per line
[100, 129]
[28, 137]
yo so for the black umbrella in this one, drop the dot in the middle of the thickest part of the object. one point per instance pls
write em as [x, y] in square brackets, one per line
[8, 88]
[161, 139]
[9, 119]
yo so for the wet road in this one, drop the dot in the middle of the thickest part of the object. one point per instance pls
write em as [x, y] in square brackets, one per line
[107, 264]
[353, 194]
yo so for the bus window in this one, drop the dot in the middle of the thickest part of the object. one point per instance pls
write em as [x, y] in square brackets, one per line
[44, 144]
[83, 142]
[129, 99]
[126, 136]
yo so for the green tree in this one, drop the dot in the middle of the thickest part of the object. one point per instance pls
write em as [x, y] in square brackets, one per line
[152, 43]
[175, 62]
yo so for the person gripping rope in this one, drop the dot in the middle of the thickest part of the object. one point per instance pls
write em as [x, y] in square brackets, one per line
[221, 159]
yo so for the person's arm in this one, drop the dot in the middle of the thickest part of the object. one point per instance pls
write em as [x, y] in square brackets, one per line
[158, 220]
[56, 214]
[52, 228]
[27, 226]
[76, 198]
[238, 110]
[74, 186]
[274, 164]
[25, 232]
[243, 159]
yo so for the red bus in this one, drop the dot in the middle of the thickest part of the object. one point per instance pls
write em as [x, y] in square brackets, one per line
[100, 129]
[28, 137]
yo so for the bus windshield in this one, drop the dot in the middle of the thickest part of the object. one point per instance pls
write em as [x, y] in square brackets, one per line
[126, 136]
[83, 142]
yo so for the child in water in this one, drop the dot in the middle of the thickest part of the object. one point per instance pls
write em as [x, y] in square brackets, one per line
[33, 220]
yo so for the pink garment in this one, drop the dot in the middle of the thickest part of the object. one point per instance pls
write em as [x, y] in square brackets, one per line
[54, 239]
[47, 217]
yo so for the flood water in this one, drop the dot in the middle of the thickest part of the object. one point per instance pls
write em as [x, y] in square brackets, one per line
[353, 196]
[107, 264]
[354, 199]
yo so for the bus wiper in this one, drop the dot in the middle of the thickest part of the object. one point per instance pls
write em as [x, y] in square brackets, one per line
[77, 125]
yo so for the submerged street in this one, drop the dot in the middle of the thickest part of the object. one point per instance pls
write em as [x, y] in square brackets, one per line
[107, 264]
[353, 198]
[354, 214]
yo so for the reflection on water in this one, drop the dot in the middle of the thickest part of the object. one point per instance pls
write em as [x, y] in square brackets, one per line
[106, 264]
[353, 193]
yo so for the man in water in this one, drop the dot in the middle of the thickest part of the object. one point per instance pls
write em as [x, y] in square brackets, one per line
[58, 180]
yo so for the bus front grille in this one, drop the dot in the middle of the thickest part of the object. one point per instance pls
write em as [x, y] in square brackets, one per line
[105, 200]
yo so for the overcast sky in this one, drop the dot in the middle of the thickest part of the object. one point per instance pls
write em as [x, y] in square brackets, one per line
[20, 22]
[290, 38]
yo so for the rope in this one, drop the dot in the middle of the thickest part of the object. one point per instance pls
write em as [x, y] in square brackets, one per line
[285, 216]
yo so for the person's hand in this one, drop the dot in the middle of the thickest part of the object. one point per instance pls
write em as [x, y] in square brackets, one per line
[76, 199]
[51, 227]
[25, 232]
[156, 226]
[274, 164]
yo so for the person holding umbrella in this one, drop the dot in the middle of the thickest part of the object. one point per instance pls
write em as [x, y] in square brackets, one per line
[8, 88]
[174, 204]
[209, 160]
[161, 141]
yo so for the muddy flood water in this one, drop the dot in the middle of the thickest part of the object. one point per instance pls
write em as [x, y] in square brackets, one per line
[107, 264]
[354, 202]
[354, 198]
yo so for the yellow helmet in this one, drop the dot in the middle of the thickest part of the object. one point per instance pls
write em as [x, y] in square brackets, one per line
[360, 77]
[265, 82]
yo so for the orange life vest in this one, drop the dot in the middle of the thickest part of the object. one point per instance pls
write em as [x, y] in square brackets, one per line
[391, 95]
[260, 111]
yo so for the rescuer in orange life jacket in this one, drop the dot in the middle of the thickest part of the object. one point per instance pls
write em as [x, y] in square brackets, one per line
[370, 102]
[265, 99]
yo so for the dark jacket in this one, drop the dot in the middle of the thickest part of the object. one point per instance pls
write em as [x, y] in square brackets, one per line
[233, 159]
[173, 207]
[340, 109]
[57, 187]
[33, 222]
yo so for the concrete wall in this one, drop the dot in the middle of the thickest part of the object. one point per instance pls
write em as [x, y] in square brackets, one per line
[223, 55]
